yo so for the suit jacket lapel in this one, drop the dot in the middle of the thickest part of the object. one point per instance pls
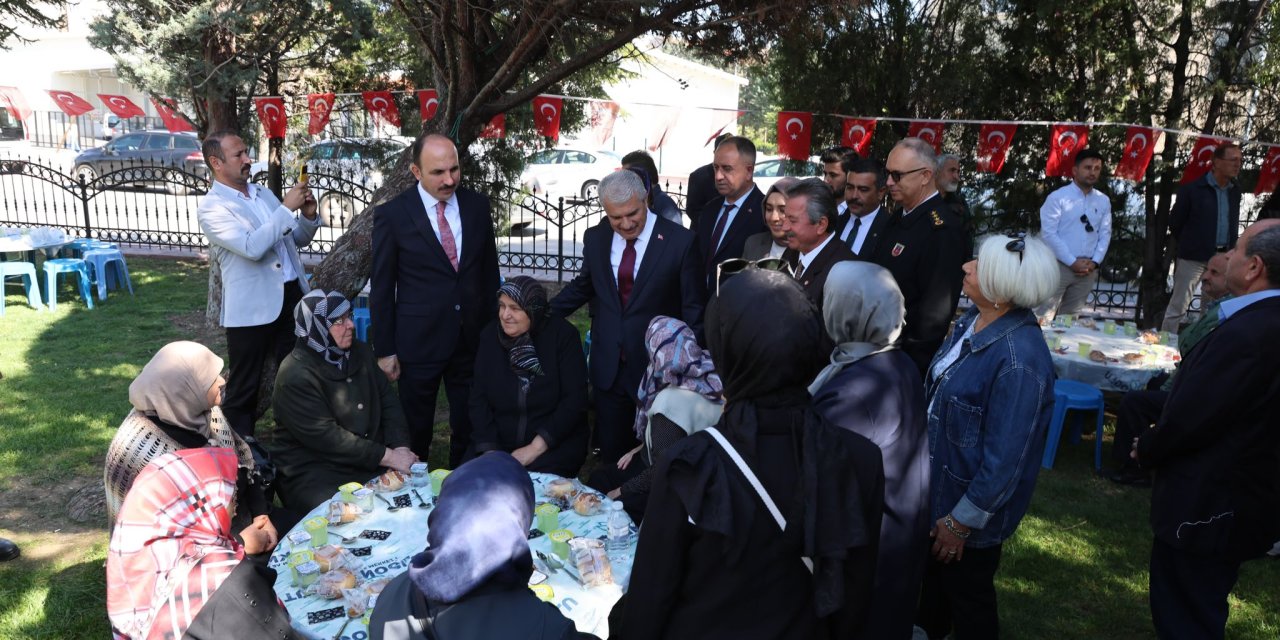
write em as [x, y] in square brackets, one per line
[652, 255]
[417, 213]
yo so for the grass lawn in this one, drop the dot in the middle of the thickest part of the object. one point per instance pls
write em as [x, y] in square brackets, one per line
[1075, 569]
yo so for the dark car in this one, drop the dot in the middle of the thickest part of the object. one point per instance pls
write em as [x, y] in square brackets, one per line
[169, 160]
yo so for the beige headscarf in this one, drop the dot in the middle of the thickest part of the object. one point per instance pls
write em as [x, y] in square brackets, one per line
[174, 386]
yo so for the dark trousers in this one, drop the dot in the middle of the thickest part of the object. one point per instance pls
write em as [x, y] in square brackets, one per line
[1189, 592]
[615, 422]
[420, 384]
[248, 349]
[961, 597]
[1138, 410]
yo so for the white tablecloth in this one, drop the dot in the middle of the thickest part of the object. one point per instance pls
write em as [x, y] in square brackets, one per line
[587, 608]
[1115, 374]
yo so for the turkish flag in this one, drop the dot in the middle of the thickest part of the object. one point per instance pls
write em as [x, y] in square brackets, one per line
[121, 106]
[602, 116]
[70, 103]
[496, 128]
[794, 134]
[1269, 173]
[382, 105]
[725, 119]
[320, 105]
[1139, 146]
[16, 102]
[665, 120]
[546, 116]
[172, 118]
[428, 103]
[993, 145]
[1065, 141]
[856, 134]
[928, 130]
[271, 113]
[1201, 160]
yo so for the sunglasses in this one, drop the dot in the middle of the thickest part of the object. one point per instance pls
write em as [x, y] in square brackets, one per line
[735, 266]
[897, 175]
[1087, 226]
[1018, 244]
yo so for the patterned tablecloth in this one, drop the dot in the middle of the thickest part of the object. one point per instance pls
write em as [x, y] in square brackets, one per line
[1116, 374]
[406, 535]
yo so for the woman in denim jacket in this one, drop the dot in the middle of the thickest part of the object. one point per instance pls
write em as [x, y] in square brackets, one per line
[990, 396]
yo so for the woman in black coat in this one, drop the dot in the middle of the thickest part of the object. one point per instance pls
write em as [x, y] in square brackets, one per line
[529, 397]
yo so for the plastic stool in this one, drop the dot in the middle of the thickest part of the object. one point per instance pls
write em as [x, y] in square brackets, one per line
[27, 271]
[98, 261]
[1071, 395]
[78, 246]
[362, 320]
[66, 265]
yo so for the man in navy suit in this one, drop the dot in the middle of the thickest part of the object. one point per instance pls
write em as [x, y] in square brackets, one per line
[1215, 502]
[724, 225]
[635, 265]
[434, 285]
[864, 221]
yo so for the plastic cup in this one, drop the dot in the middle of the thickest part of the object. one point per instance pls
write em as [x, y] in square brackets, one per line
[1164, 337]
[544, 592]
[363, 497]
[1131, 330]
[348, 491]
[1067, 320]
[318, 527]
[1109, 327]
[560, 542]
[418, 474]
[1053, 341]
[1085, 349]
[548, 517]
[437, 479]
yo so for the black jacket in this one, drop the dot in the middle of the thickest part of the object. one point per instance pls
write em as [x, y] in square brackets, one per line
[1194, 219]
[814, 276]
[872, 240]
[746, 223]
[700, 191]
[243, 607]
[1216, 448]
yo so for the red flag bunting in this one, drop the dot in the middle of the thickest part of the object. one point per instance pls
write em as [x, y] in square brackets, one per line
[121, 106]
[1065, 141]
[271, 113]
[665, 119]
[1139, 146]
[1269, 173]
[546, 116]
[993, 146]
[725, 119]
[70, 103]
[794, 134]
[856, 134]
[320, 105]
[382, 105]
[1201, 160]
[496, 128]
[16, 102]
[602, 117]
[428, 103]
[928, 130]
[172, 118]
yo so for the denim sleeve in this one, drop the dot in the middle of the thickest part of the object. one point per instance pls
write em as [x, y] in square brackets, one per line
[1009, 432]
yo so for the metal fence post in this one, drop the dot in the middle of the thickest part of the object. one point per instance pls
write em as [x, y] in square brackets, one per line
[560, 233]
[84, 204]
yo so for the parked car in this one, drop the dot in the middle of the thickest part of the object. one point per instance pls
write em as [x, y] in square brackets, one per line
[175, 154]
[770, 170]
[567, 173]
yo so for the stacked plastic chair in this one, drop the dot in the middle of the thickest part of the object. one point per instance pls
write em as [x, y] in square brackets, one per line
[1070, 395]
[76, 266]
[27, 271]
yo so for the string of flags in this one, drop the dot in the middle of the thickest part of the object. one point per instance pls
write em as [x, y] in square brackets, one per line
[794, 129]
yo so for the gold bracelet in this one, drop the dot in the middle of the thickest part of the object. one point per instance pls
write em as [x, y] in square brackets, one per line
[951, 526]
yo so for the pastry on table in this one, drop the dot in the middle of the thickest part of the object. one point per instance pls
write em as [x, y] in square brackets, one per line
[1097, 356]
[561, 488]
[331, 584]
[591, 561]
[342, 512]
[586, 504]
[392, 480]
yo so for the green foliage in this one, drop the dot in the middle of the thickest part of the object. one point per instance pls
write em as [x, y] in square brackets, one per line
[46, 14]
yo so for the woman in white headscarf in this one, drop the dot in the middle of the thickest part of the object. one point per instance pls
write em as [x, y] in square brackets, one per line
[874, 389]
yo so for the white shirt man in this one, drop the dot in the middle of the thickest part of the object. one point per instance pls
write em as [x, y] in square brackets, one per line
[1075, 222]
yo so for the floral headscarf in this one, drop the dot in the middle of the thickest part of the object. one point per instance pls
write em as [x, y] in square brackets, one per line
[675, 360]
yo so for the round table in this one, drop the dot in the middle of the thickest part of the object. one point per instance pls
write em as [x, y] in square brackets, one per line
[1115, 374]
[588, 608]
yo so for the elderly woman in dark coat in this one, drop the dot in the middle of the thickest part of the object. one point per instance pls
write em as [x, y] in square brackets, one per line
[872, 388]
[713, 562]
[529, 397]
[337, 418]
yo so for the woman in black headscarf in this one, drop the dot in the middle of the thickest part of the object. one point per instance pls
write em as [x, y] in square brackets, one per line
[337, 419]
[529, 397]
[713, 561]
[471, 582]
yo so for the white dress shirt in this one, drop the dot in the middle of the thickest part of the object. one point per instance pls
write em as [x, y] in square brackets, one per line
[619, 245]
[1062, 230]
[733, 213]
[452, 215]
[775, 249]
[260, 205]
[841, 208]
[807, 258]
[863, 230]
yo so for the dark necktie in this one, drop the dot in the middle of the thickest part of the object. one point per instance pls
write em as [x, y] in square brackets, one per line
[853, 234]
[717, 233]
[800, 272]
[626, 272]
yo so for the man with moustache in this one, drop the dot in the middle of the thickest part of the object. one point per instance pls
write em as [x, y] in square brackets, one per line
[810, 224]
[725, 224]
[865, 221]
[253, 242]
[949, 187]
[922, 249]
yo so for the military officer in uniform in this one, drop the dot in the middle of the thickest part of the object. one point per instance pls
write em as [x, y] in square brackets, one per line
[922, 249]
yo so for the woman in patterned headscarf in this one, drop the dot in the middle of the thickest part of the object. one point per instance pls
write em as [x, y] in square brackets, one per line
[529, 397]
[338, 419]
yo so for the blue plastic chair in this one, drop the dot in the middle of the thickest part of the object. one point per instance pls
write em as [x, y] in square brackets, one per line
[27, 271]
[66, 265]
[361, 317]
[99, 259]
[1070, 395]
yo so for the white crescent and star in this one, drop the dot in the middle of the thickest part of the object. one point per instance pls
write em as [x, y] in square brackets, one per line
[1199, 154]
[431, 102]
[272, 110]
[379, 99]
[552, 107]
[1067, 148]
[856, 133]
[928, 133]
[787, 127]
[323, 104]
[119, 102]
[997, 134]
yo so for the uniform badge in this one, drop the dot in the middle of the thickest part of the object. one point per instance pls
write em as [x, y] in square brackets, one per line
[897, 249]
[937, 220]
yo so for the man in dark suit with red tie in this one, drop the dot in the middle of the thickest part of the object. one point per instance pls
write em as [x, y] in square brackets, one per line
[635, 265]
[434, 285]
[726, 223]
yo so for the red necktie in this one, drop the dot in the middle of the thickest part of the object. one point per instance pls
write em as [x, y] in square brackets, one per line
[626, 272]
[717, 233]
[446, 236]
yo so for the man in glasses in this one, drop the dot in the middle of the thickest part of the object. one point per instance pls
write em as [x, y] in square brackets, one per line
[922, 249]
[1075, 221]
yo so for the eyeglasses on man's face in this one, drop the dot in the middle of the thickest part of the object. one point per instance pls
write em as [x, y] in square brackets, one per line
[896, 176]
